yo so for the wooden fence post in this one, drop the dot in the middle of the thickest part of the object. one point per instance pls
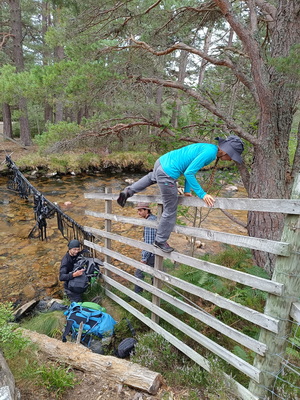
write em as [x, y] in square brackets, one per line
[287, 272]
[158, 265]
[107, 242]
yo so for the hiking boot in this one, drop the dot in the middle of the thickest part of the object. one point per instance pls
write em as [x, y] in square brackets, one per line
[163, 246]
[123, 196]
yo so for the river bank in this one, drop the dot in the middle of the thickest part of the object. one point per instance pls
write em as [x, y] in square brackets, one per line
[91, 161]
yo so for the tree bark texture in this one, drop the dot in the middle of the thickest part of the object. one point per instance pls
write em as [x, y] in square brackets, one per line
[108, 367]
[7, 123]
[183, 60]
[16, 30]
[46, 23]
[270, 169]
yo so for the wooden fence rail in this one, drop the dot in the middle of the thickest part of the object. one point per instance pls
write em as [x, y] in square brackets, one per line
[238, 309]
[269, 246]
[283, 289]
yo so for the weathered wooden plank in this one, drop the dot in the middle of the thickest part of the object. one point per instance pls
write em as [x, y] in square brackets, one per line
[285, 206]
[228, 273]
[108, 223]
[255, 317]
[215, 348]
[201, 315]
[192, 354]
[295, 312]
[287, 272]
[270, 246]
[124, 220]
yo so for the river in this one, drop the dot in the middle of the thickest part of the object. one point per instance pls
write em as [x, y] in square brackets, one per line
[29, 267]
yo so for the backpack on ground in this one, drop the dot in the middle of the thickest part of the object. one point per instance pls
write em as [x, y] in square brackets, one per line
[96, 323]
[127, 345]
[93, 306]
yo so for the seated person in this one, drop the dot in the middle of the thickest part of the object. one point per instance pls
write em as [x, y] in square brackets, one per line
[66, 269]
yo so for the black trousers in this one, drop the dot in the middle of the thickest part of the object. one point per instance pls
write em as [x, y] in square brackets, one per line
[140, 274]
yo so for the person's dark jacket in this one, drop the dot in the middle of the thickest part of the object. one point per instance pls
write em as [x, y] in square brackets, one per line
[66, 268]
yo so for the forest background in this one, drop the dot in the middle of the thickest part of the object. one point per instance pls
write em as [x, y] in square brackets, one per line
[104, 76]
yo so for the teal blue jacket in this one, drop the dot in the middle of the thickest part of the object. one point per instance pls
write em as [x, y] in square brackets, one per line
[188, 161]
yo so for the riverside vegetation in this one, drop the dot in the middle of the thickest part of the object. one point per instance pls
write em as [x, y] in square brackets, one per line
[185, 379]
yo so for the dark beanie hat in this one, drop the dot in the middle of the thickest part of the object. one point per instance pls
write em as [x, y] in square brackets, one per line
[233, 146]
[74, 243]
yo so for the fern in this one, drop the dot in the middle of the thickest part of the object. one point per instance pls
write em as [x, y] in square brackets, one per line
[240, 352]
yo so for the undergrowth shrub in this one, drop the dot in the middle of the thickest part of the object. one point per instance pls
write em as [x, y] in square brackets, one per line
[22, 358]
[11, 340]
[154, 352]
[288, 381]
[55, 378]
[56, 133]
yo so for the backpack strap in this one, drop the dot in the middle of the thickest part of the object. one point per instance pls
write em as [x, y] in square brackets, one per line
[89, 313]
[130, 326]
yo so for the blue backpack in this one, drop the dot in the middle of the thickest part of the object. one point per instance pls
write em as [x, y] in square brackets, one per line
[95, 322]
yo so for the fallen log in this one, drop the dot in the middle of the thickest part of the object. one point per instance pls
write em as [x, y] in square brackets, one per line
[83, 359]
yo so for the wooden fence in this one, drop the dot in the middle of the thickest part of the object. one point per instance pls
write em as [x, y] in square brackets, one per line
[282, 305]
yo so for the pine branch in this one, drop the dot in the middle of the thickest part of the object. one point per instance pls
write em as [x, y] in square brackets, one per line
[230, 123]
[252, 48]
[234, 219]
[215, 61]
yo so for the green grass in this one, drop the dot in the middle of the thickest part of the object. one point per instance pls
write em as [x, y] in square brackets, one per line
[48, 323]
[79, 162]
[21, 354]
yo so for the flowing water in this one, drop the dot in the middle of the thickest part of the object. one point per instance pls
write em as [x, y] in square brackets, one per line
[29, 267]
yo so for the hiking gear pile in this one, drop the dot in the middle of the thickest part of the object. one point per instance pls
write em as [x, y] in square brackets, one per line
[96, 322]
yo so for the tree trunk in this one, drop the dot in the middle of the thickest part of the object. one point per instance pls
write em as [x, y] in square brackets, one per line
[270, 168]
[207, 42]
[59, 55]
[16, 30]
[24, 123]
[7, 124]
[108, 367]
[48, 113]
[158, 102]
[183, 59]
[46, 22]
